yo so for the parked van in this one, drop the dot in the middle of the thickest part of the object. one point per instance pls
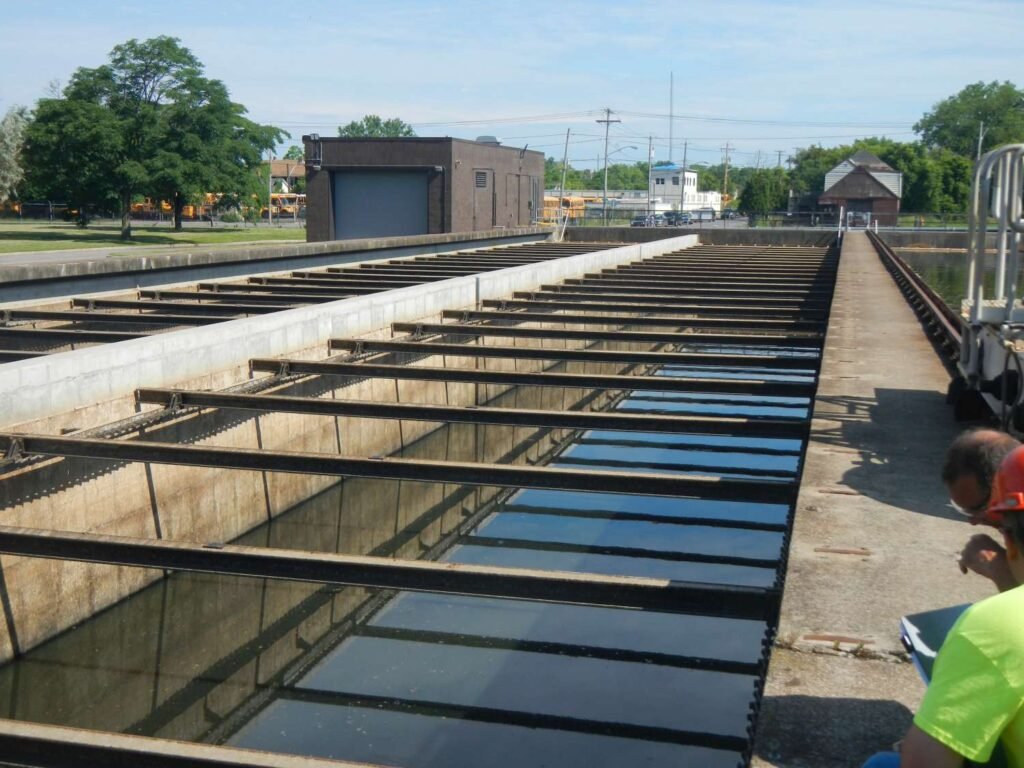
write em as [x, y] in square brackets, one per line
[704, 214]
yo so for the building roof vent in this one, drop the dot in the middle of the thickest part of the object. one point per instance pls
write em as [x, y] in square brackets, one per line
[490, 140]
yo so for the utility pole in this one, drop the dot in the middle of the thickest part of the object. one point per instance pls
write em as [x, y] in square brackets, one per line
[565, 167]
[981, 137]
[725, 181]
[607, 123]
[685, 147]
[270, 187]
[779, 163]
[650, 161]
[671, 97]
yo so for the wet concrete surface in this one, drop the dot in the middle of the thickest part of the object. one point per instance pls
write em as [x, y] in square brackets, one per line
[874, 538]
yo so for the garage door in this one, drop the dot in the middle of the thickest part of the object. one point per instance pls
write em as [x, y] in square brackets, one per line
[379, 203]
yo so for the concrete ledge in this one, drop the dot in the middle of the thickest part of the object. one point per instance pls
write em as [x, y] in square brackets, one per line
[41, 388]
[797, 237]
[183, 263]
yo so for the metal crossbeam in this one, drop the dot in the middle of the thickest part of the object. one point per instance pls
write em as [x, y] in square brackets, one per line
[521, 417]
[388, 573]
[387, 468]
[64, 335]
[653, 337]
[175, 306]
[50, 746]
[655, 286]
[738, 324]
[660, 295]
[240, 293]
[13, 355]
[702, 359]
[85, 316]
[539, 379]
[661, 309]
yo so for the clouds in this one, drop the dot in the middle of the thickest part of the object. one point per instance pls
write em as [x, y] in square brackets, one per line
[319, 64]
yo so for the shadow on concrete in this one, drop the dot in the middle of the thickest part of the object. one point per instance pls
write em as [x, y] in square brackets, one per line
[818, 732]
[901, 436]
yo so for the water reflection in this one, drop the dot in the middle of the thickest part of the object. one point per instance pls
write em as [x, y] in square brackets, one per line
[446, 680]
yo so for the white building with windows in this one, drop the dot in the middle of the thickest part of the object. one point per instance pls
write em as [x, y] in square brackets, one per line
[677, 187]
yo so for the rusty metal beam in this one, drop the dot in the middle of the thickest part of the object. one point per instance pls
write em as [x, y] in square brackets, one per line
[50, 746]
[653, 337]
[538, 379]
[13, 355]
[388, 573]
[387, 468]
[520, 417]
[175, 306]
[702, 359]
[68, 336]
[661, 294]
[86, 316]
[660, 309]
[238, 293]
[738, 324]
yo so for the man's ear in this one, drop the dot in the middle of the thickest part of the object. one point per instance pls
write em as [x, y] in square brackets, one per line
[1012, 548]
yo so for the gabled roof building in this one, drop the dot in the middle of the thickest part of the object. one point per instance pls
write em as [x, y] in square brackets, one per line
[866, 188]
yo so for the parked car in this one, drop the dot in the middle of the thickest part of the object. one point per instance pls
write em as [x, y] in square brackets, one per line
[641, 221]
[730, 213]
[659, 220]
[683, 218]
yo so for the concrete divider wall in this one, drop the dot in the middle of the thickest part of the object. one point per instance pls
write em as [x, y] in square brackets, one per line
[159, 266]
[209, 505]
[794, 237]
[68, 386]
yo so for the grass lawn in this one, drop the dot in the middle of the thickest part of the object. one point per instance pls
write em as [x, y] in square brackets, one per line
[17, 237]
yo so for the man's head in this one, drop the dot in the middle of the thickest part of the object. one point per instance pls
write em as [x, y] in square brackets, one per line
[972, 461]
[1007, 509]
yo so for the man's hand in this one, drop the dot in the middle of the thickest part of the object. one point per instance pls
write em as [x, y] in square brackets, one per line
[986, 557]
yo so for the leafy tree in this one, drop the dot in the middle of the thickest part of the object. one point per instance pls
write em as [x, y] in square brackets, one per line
[954, 122]
[372, 126]
[766, 189]
[295, 152]
[174, 132]
[12, 130]
[70, 147]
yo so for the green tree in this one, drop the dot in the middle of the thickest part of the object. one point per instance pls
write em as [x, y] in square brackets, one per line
[12, 132]
[174, 132]
[295, 152]
[372, 126]
[69, 149]
[955, 122]
[766, 189]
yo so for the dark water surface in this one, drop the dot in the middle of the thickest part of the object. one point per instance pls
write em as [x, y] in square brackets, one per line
[439, 680]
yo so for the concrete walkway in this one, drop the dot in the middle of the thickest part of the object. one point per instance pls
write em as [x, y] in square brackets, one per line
[874, 538]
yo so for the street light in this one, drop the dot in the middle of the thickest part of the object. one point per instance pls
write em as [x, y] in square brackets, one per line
[604, 206]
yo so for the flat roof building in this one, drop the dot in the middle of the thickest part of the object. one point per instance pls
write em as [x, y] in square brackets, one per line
[417, 186]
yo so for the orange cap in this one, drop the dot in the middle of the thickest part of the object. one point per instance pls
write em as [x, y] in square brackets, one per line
[1008, 488]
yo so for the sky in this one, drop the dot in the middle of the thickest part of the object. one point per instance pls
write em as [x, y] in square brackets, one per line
[763, 76]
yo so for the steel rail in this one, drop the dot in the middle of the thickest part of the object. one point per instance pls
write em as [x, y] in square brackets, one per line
[538, 379]
[701, 359]
[393, 573]
[388, 468]
[522, 417]
[14, 355]
[941, 321]
[653, 337]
